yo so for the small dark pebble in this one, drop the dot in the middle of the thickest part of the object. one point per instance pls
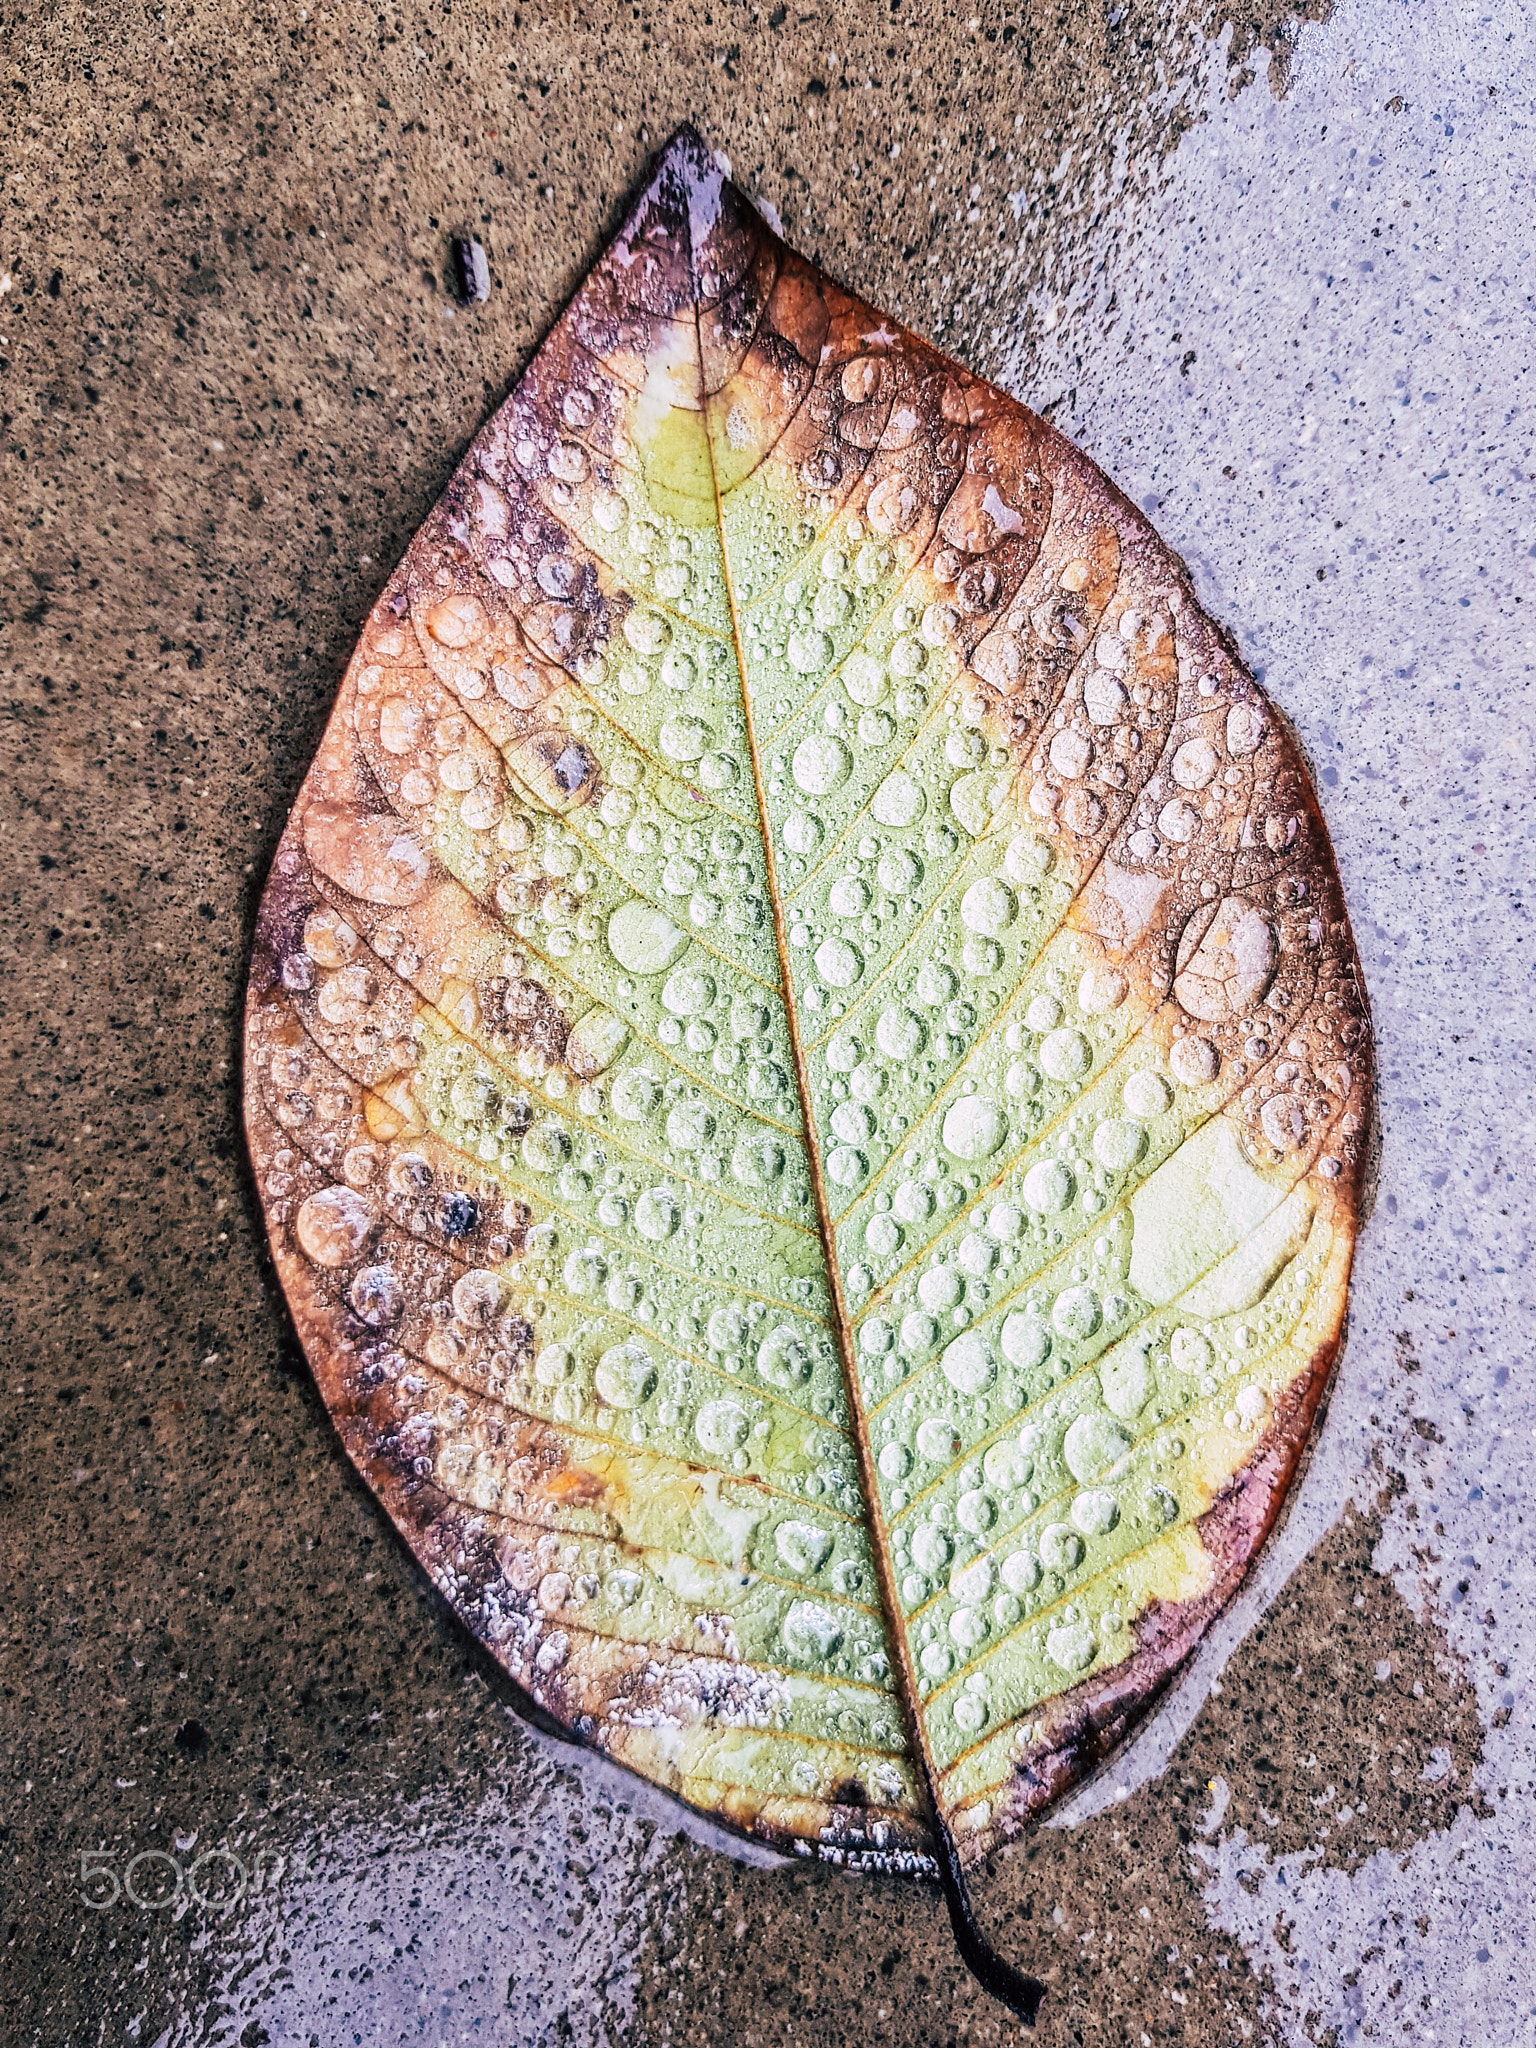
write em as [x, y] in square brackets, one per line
[471, 272]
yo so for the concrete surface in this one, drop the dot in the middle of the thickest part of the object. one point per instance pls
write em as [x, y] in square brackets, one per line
[1277, 278]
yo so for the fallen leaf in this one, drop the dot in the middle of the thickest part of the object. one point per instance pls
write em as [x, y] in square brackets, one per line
[806, 1065]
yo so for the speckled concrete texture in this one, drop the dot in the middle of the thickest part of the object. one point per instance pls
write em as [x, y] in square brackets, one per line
[1275, 274]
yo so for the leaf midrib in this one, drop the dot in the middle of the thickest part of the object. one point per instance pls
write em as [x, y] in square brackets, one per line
[906, 1687]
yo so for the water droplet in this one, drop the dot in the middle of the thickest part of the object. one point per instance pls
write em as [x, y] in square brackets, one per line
[913, 1202]
[919, 1333]
[375, 1296]
[1049, 1186]
[585, 1270]
[1095, 1512]
[1005, 1465]
[937, 1440]
[1071, 1646]
[684, 738]
[802, 1547]
[1022, 1080]
[456, 621]
[940, 1288]
[810, 1631]
[848, 896]
[1061, 1548]
[988, 906]
[757, 1160]
[1104, 698]
[839, 962]
[1194, 1061]
[908, 656]
[477, 1297]
[865, 679]
[625, 1375]
[1076, 1315]
[1065, 1055]
[595, 1042]
[334, 1225]
[689, 990]
[1245, 729]
[978, 1253]
[1070, 754]
[974, 1127]
[657, 1214]
[1101, 989]
[821, 764]
[400, 725]
[1147, 1094]
[1118, 1142]
[643, 939]
[976, 1511]
[899, 801]
[1021, 1572]
[846, 1167]
[1025, 1340]
[1092, 1444]
[546, 1146]
[783, 1358]
[899, 1034]
[720, 1428]
[968, 1364]
[969, 1628]
[802, 833]
[647, 632]
[895, 1461]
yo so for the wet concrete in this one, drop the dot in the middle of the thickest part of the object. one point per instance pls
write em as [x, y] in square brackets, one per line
[1275, 275]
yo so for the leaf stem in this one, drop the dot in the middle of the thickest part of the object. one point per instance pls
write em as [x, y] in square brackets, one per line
[998, 1977]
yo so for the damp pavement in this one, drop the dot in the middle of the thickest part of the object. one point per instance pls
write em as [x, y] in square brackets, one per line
[258, 1786]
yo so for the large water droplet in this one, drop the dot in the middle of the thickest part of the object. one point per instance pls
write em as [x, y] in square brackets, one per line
[643, 939]
[820, 764]
[1048, 1186]
[625, 1375]
[1065, 1055]
[1095, 1512]
[968, 1364]
[334, 1225]
[974, 1127]
[810, 1631]
[899, 801]
[1025, 1340]
[1071, 1646]
[802, 1547]
[721, 1427]
[1093, 1443]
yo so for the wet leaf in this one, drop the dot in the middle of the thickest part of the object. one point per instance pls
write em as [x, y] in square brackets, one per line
[805, 1062]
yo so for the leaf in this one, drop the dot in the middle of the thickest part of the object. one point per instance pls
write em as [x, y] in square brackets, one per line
[806, 1065]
